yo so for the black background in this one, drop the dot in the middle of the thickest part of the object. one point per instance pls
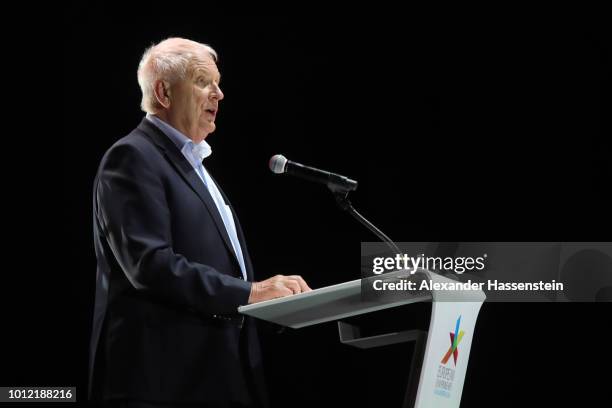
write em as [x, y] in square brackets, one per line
[455, 131]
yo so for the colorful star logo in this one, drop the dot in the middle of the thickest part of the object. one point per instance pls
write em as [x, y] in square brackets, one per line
[455, 339]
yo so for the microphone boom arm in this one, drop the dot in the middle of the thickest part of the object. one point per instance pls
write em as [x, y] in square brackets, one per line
[345, 204]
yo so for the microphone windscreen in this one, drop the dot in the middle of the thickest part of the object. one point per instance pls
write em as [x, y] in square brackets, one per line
[277, 163]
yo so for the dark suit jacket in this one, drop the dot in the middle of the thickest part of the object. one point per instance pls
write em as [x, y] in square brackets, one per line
[166, 266]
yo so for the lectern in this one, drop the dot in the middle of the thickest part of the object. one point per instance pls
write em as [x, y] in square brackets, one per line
[441, 353]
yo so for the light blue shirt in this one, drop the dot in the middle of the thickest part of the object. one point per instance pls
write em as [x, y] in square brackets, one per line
[195, 153]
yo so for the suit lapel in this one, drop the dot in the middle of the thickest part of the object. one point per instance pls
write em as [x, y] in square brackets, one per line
[188, 173]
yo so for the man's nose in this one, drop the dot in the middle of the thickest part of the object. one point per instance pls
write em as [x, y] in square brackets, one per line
[217, 93]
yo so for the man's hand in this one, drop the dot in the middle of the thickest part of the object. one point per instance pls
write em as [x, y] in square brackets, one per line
[277, 286]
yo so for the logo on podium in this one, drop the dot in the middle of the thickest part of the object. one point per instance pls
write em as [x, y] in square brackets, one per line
[446, 375]
[455, 339]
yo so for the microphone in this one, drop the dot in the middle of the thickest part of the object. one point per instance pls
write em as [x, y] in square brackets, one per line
[337, 183]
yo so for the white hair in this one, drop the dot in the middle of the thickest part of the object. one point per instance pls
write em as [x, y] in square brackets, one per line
[170, 60]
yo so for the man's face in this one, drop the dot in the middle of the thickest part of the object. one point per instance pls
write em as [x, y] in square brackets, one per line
[195, 100]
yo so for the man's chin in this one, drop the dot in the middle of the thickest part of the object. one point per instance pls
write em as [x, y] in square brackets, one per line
[208, 130]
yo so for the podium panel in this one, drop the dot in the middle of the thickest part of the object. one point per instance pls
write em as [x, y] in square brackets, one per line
[325, 304]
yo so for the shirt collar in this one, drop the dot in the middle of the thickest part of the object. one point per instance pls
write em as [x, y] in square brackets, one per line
[200, 150]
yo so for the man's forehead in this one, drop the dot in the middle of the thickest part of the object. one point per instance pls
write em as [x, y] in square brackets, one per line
[206, 66]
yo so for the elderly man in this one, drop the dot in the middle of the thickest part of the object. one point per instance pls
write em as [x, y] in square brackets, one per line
[173, 264]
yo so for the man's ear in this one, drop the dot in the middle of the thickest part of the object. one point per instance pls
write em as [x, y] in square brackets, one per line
[161, 89]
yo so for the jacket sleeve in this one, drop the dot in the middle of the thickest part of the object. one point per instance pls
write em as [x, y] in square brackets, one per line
[134, 215]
